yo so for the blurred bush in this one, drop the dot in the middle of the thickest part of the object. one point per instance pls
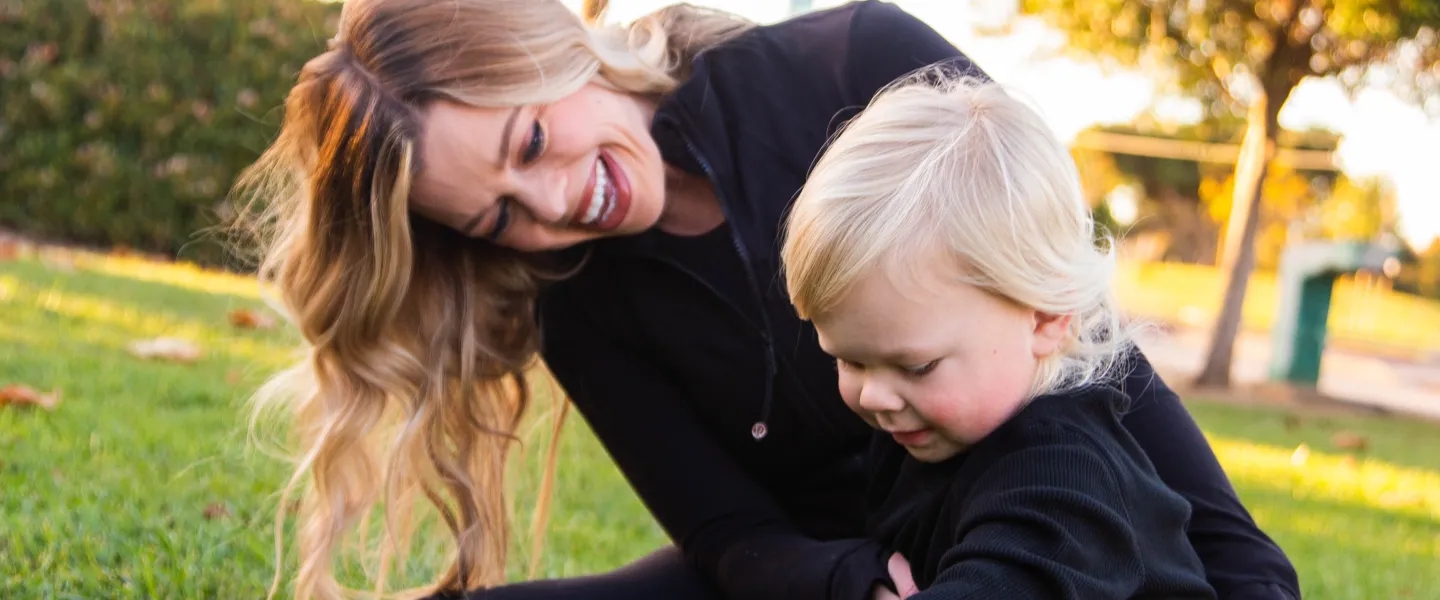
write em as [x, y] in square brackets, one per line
[125, 122]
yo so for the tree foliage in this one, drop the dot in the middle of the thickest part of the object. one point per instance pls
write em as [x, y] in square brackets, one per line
[1247, 57]
[125, 122]
[1421, 274]
[1210, 45]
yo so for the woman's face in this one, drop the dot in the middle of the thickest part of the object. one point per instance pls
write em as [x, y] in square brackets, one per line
[542, 177]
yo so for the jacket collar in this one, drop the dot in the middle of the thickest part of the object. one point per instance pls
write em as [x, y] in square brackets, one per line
[690, 129]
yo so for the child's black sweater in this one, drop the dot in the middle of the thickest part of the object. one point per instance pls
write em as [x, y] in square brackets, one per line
[1059, 502]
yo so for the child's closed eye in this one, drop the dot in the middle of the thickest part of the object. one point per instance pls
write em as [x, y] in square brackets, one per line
[922, 370]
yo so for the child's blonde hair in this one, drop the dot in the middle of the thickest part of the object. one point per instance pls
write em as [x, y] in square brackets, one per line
[947, 162]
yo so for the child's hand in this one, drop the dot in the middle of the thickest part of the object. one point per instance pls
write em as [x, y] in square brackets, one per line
[899, 573]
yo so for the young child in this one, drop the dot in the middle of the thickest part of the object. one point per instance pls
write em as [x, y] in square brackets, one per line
[945, 254]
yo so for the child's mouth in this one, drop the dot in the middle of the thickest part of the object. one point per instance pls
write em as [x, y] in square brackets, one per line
[911, 439]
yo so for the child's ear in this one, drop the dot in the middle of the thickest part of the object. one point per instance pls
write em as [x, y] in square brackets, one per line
[1050, 333]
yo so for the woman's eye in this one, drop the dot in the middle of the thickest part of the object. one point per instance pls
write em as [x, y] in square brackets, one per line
[922, 370]
[502, 220]
[846, 365]
[536, 144]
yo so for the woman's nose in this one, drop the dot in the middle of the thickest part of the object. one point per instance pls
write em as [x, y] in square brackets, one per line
[549, 201]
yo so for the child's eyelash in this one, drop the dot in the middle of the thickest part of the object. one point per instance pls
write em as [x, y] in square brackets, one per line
[923, 369]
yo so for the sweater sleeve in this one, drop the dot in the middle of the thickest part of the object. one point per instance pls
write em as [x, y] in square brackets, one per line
[1044, 521]
[728, 526]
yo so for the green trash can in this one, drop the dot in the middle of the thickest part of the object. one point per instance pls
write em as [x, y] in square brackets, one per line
[1306, 279]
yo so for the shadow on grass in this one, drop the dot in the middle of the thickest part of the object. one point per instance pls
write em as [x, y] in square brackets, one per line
[1393, 439]
[181, 296]
[89, 315]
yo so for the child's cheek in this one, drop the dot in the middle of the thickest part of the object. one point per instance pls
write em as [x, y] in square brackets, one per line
[969, 417]
[952, 414]
[850, 393]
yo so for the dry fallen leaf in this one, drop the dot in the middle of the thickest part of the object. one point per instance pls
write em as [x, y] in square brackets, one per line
[245, 318]
[1349, 440]
[1292, 422]
[21, 395]
[171, 349]
[14, 247]
[216, 510]
[59, 260]
[1301, 454]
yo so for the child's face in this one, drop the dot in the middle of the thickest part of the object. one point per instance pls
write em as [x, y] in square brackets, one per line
[938, 365]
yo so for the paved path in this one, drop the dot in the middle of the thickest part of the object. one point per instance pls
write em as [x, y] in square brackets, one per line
[1394, 385]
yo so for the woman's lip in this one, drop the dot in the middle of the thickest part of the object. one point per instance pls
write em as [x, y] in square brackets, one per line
[620, 191]
[586, 194]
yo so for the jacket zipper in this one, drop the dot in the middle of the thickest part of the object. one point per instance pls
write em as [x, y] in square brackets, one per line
[761, 428]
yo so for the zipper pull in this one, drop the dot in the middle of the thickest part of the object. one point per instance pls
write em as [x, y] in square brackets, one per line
[759, 430]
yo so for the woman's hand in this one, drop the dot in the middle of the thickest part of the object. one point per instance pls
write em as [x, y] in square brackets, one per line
[904, 582]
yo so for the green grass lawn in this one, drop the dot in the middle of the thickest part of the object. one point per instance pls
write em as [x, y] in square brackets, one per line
[141, 485]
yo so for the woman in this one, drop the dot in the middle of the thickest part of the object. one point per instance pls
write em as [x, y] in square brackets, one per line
[460, 183]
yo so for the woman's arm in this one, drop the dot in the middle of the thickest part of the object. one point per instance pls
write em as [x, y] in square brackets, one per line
[887, 43]
[729, 527]
[1240, 560]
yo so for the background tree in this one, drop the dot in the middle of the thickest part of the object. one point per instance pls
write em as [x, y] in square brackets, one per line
[1357, 210]
[124, 123]
[1421, 273]
[1248, 56]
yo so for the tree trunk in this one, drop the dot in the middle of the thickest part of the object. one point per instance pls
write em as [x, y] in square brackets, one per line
[1262, 127]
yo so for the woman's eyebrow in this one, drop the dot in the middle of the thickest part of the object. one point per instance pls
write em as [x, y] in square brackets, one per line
[505, 138]
[505, 132]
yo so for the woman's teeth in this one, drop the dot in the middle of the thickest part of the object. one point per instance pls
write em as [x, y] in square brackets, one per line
[599, 197]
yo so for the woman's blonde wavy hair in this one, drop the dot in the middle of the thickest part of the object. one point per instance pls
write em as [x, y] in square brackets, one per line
[943, 161]
[418, 339]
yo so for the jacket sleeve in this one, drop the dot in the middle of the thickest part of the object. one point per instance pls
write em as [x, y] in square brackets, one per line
[1046, 521]
[727, 525]
[1240, 561]
[887, 43]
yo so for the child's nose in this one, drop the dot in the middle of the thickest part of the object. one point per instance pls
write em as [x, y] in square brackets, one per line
[877, 397]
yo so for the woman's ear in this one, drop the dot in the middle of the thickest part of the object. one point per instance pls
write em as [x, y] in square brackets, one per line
[1050, 333]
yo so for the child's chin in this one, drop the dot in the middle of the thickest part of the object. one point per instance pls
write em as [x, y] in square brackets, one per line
[933, 453]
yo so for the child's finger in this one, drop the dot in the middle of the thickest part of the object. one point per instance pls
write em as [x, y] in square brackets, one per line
[900, 573]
